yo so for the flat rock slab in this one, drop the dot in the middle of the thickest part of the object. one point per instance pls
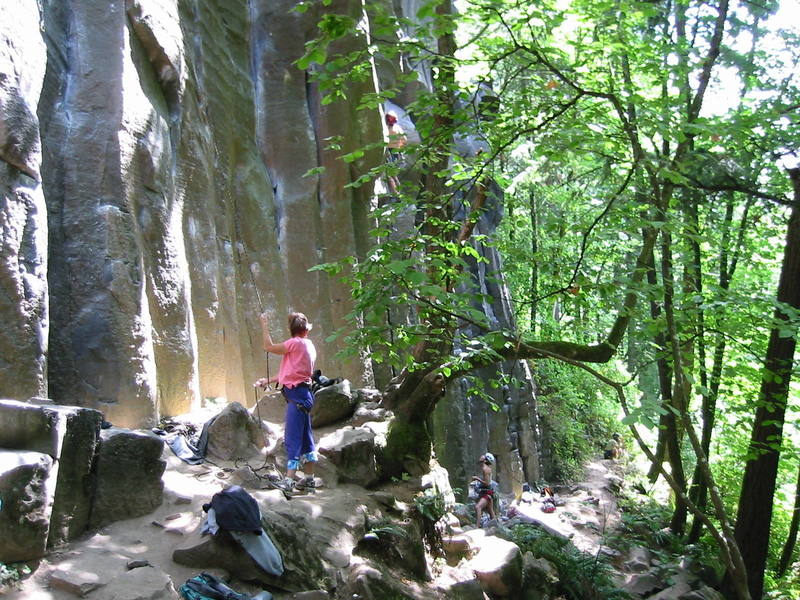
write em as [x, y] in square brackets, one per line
[498, 566]
[144, 583]
[87, 572]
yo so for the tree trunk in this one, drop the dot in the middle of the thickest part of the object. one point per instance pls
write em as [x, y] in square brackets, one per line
[791, 539]
[664, 375]
[728, 259]
[678, 405]
[758, 485]
[534, 267]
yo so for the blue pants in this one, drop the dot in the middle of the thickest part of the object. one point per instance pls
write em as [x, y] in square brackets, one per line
[297, 435]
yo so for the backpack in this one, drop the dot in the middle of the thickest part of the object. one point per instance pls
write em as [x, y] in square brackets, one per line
[208, 587]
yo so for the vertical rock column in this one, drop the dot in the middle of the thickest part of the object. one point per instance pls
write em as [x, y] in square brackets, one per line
[229, 223]
[154, 80]
[344, 209]
[101, 337]
[23, 216]
[317, 218]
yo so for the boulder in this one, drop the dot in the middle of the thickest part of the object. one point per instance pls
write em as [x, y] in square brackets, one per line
[437, 479]
[498, 566]
[642, 584]
[331, 404]
[367, 412]
[353, 453]
[377, 581]
[28, 426]
[638, 560]
[221, 551]
[674, 592]
[311, 595]
[457, 547]
[703, 593]
[614, 484]
[145, 583]
[465, 513]
[311, 547]
[70, 435]
[466, 590]
[27, 497]
[235, 433]
[400, 546]
[270, 407]
[368, 395]
[539, 574]
[128, 472]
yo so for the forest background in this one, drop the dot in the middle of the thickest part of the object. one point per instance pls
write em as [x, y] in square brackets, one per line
[648, 155]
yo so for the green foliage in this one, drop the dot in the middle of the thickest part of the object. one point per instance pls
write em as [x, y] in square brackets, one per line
[385, 530]
[579, 415]
[645, 524]
[430, 505]
[10, 575]
[600, 132]
[581, 576]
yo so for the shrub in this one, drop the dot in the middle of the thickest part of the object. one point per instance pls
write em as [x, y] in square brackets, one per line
[581, 576]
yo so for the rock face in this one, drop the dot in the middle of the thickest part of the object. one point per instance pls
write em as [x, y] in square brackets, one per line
[23, 211]
[157, 191]
[152, 155]
[69, 436]
[129, 469]
[27, 504]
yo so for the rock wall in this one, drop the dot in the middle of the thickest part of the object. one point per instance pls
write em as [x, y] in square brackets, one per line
[154, 201]
[157, 203]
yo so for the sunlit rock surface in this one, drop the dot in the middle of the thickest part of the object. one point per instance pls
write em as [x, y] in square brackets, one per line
[154, 160]
[166, 204]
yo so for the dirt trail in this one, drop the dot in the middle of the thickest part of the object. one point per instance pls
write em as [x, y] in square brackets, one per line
[586, 510]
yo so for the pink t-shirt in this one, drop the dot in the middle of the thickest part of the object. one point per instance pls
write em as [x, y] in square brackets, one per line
[297, 364]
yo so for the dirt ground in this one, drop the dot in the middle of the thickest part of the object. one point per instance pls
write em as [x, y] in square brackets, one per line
[587, 510]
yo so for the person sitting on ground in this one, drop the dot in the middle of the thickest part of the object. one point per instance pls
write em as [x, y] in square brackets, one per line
[527, 494]
[484, 485]
[613, 447]
[294, 376]
[397, 141]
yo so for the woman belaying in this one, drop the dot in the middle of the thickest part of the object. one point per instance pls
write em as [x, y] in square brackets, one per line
[294, 376]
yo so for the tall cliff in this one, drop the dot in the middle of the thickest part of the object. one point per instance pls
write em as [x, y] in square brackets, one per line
[153, 160]
[158, 201]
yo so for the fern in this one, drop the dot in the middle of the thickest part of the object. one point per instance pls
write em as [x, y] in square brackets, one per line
[581, 576]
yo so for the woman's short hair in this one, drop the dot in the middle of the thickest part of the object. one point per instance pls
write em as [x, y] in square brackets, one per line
[298, 323]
